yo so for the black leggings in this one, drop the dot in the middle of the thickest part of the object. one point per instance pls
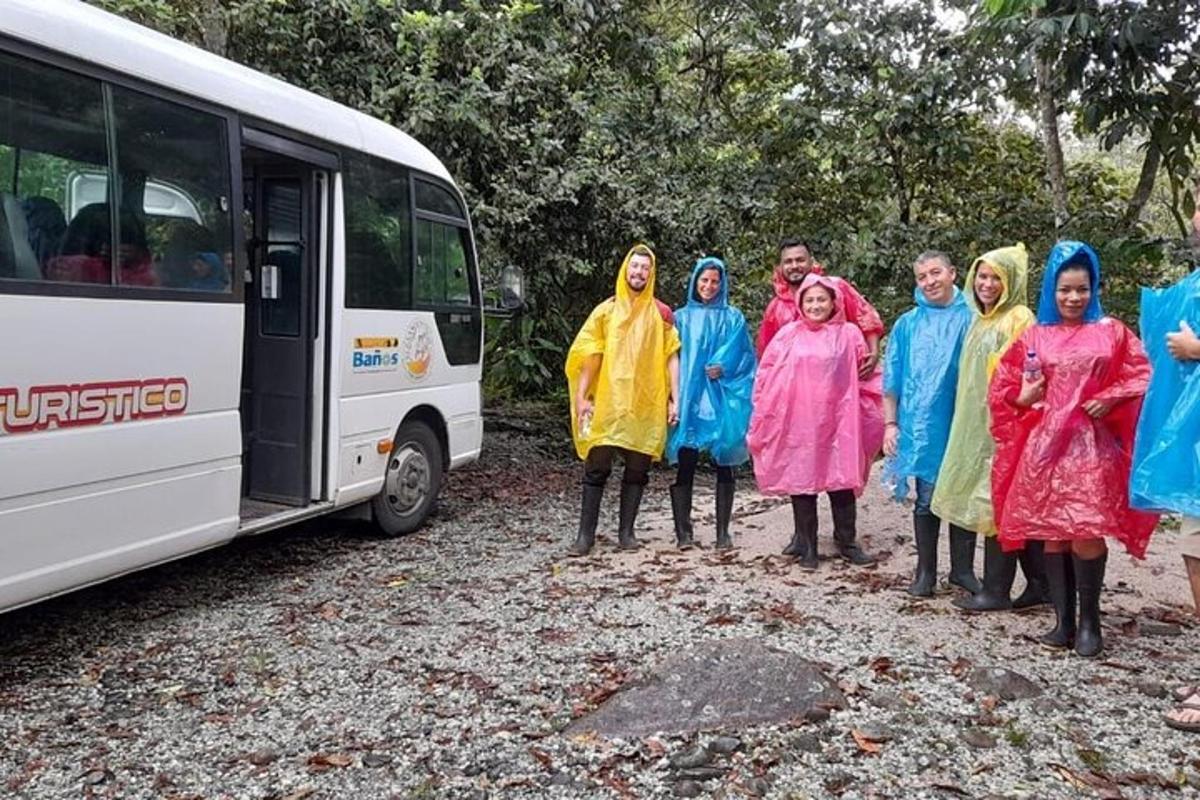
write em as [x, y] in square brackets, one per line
[689, 457]
[598, 466]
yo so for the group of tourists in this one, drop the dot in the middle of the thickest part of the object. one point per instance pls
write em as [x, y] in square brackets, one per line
[1016, 427]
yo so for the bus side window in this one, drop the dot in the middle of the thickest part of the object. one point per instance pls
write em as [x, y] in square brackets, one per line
[51, 130]
[378, 234]
[175, 180]
[442, 274]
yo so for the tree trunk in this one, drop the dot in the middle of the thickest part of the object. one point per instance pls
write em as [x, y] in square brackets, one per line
[212, 27]
[1145, 185]
[1051, 144]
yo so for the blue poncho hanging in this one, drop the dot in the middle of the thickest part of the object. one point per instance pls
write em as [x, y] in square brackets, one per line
[1166, 456]
[921, 372]
[713, 414]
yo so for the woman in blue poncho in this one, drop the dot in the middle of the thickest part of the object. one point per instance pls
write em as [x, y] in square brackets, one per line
[716, 380]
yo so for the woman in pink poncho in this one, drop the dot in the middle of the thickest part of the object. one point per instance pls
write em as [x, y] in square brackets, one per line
[816, 426]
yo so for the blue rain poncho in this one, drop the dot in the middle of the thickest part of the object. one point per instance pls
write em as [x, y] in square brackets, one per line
[713, 414]
[921, 372]
[1166, 456]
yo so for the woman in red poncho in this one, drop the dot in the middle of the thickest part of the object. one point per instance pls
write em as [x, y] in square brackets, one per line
[1064, 402]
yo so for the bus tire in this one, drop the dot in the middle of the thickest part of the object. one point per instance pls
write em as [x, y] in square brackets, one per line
[411, 480]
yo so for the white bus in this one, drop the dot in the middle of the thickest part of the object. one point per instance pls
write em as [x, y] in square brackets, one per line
[226, 305]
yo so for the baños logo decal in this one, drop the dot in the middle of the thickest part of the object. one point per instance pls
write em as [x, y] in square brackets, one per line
[375, 354]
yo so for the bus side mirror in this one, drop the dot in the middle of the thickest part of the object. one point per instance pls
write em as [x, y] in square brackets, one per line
[512, 293]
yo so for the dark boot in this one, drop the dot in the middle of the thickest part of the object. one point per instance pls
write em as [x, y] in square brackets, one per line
[1033, 565]
[587, 521]
[796, 546]
[845, 528]
[804, 517]
[999, 569]
[631, 500]
[681, 511]
[1060, 583]
[962, 559]
[724, 512]
[925, 530]
[1089, 580]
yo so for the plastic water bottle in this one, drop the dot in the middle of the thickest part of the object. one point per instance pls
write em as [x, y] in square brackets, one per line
[888, 477]
[585, 427]
[1033, 366]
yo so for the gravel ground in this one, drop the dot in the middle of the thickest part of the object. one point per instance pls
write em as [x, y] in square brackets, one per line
[326, 662]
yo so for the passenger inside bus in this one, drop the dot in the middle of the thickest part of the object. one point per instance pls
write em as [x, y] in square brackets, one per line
[191, 260]
[85, 256]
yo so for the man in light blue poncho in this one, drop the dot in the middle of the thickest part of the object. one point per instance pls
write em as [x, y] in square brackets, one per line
[920, 377]
[716, 381]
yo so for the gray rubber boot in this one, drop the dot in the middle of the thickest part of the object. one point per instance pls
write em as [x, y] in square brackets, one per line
[925, 531]
[681, 512]
[631, 500]
[962, 559]
[999, 570]
[588, 517]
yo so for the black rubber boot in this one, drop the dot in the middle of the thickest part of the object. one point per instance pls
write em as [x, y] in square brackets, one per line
[631, 500]
[1089, 580]
[845, 529]
[1033, 565]
[804, 517]
[1060, 583]
[724, 512]
[587, 521]
[999, 570]
[925, 530]
[681, 511]
[962, 559]
[795, 547]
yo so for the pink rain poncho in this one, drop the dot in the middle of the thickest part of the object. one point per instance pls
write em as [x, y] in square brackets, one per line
[784, 309]
[815, 427]
[1059, 474]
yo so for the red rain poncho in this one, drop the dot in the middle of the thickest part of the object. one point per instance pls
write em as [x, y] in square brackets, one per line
[1058, 473]
[784, 309]
[816, 427]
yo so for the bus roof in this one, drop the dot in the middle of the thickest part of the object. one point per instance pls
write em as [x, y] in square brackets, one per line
[81, 31]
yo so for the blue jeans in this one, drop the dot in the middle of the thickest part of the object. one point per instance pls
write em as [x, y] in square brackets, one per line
[924, 498]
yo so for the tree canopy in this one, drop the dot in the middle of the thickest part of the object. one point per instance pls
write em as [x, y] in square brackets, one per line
[873, 130]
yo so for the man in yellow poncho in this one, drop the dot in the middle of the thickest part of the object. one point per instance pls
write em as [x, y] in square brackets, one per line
[997, 291]
[623, 374]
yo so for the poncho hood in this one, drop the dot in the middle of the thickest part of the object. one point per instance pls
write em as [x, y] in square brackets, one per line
[1069, 252]
[1011, 264]
[722, 298]
[839, 301]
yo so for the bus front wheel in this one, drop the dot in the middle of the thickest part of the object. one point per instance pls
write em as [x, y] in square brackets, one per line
[411, 481]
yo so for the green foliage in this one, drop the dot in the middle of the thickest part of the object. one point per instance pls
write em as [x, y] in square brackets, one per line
[875, 130]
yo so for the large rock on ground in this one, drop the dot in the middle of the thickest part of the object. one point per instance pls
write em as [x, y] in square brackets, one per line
[721, 684]
[1003, 683]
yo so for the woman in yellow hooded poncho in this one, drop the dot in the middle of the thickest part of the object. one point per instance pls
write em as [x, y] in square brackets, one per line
[623, 374]
[997, 291]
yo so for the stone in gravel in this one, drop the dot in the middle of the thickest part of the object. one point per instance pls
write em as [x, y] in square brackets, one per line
[701, 773]
[376, 760]
[816, 715]
[807, 743]
[688, 789]
[260, 758]
[724, 745]
[1003, 683]
[757, 787]
[1159, 629]
[694, 691]
[560, 778]
[838, 782]
[977, 738]
[886, 699]
[694, 757]
[1151, 689]
[876, 733]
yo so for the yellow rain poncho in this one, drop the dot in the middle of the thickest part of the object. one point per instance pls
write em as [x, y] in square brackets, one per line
[631, 389]
[963, 493]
